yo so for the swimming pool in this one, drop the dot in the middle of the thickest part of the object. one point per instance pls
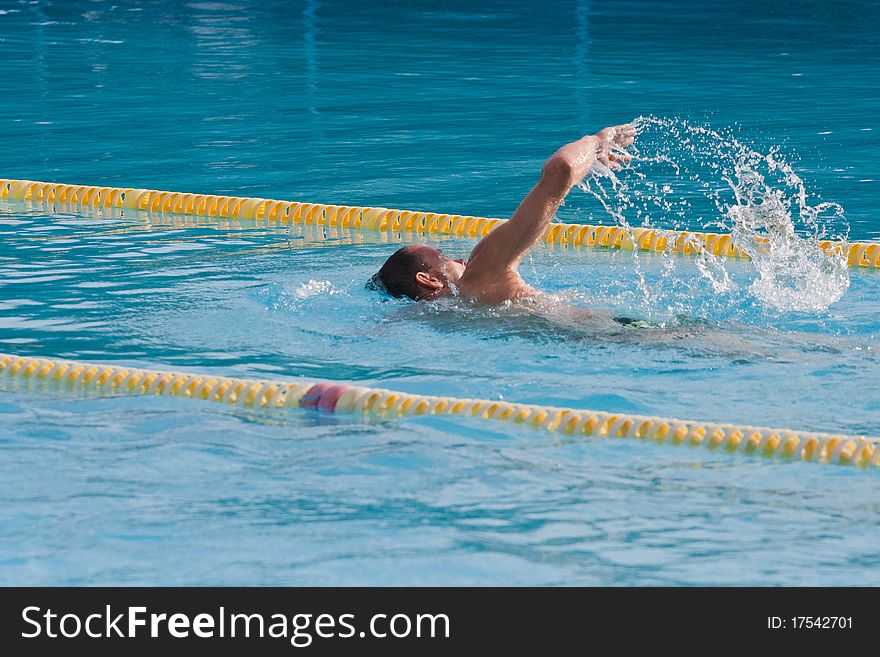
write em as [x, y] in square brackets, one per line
[156, 490]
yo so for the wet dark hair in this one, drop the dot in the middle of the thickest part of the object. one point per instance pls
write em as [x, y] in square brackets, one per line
[397, 276]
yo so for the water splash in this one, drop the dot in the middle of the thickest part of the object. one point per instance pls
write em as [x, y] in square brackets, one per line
[691, 177]
[313, 289]
[295, 296]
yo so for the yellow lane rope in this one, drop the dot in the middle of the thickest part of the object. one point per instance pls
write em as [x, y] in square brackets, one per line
[857, 254]
[341, 397]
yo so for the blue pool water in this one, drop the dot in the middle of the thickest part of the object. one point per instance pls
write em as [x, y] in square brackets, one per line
[449, 107]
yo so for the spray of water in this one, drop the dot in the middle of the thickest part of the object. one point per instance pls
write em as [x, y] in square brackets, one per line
[686, 176]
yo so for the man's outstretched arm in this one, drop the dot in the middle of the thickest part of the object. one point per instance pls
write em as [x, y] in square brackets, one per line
[504, 247]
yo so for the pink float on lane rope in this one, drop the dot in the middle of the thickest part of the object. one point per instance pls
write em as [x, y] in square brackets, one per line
[323, 396]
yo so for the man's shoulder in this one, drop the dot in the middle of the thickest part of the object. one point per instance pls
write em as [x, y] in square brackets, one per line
[509, 287]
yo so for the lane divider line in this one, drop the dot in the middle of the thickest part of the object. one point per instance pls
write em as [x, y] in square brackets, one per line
[332, 397]
[857, 254]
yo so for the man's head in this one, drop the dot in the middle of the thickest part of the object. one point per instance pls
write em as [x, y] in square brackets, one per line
[419, 272]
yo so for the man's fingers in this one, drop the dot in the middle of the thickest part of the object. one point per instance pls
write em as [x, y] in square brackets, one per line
[608, 160]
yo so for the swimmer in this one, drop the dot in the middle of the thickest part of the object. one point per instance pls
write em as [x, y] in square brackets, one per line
[491, 274]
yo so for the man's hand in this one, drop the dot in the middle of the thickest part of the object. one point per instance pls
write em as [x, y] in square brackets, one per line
[611, 142]
[571, 163]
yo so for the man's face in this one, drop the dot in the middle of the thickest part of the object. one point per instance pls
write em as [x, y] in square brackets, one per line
[441, 266]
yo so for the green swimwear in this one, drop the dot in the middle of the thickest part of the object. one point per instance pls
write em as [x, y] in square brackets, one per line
[635, 323]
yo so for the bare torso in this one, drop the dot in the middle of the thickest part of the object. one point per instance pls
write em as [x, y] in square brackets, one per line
[509, 286]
